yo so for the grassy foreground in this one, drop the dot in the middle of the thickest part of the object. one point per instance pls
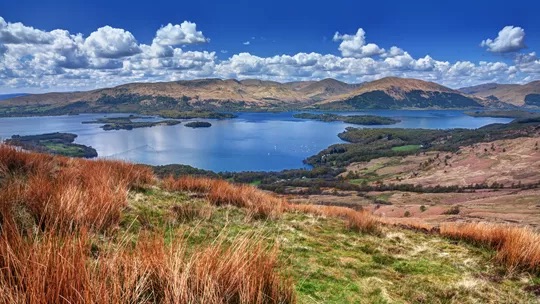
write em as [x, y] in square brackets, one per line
[79, 231]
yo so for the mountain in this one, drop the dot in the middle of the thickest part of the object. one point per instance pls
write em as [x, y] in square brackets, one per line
[188, 95]
[231, 94]
[394, 92]
[513, 94]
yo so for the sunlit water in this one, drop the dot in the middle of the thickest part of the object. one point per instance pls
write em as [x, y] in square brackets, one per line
[251, 142]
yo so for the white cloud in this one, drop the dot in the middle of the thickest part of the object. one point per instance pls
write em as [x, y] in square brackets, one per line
[510, 39]
[355, 45]
[18, 33]
[528, 63]
[109, 42]
[185, 33]
[37, 60]
[246, 43]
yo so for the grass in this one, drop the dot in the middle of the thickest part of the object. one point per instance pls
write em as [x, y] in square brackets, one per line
[330, 263]
[63, 149]
[406, 148]
[108, 232]
[61, 241]
[517, 247]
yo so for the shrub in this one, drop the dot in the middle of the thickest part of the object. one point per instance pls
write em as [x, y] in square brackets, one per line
[452, 210]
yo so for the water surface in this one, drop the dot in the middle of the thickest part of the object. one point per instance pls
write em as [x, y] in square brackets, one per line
[251, 142]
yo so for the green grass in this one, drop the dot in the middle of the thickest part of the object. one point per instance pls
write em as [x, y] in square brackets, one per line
[255, 182]
[330, 264]
[63, 149]
[406, 148]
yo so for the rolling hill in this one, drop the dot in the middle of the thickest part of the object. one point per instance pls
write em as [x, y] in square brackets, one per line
[249, 94]
[394, 92]
[514, 94]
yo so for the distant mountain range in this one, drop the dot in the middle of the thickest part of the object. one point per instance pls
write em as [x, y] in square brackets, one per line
[514, 94]
[251, 94]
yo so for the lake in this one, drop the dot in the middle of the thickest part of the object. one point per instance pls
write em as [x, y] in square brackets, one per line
[251, 142]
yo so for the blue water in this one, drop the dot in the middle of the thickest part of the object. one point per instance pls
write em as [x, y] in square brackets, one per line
[251, 142]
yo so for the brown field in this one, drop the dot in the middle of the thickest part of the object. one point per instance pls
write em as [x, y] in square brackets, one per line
[503, 161]
[513, 163]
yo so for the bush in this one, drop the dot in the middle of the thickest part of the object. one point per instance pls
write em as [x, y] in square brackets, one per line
[452, 210]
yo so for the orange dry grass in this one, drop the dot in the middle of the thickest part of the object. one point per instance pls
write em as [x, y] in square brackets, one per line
[409, 223]
[68, 200]
[61, 269]
[67, 193]
[517, 247]
[220, 192]
[362, 221]
[263, 204]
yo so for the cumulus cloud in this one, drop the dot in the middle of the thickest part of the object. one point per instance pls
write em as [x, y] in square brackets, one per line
[246, 43]
[37, 60]
[355, 45]
[18, 33]
[185, 33]
[510, 39]
[528, 63]
[109, 42]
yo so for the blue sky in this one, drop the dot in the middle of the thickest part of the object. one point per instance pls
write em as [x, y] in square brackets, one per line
[449, 33]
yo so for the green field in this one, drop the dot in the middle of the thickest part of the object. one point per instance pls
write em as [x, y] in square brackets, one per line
[406, 148]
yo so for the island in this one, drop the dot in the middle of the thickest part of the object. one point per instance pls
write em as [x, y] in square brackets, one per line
[503, 114]
[127, 123]
[195, 114]
[368, 120]
[54, 143]
[198, 124]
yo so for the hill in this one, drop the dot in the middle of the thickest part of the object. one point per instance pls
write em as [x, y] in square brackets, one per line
[207, 94]
[111, 232]
[241, 95]
[514, 94]
[395, 93]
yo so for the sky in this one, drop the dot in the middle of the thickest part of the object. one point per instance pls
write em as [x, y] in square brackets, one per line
[79, 45]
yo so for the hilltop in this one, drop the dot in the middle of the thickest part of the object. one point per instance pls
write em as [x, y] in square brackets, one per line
[394, 92]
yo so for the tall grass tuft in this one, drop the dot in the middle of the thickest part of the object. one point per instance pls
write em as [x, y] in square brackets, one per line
[60, 192]
[517, 247]
[52, 212]
[361, 221]
[259, 204]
